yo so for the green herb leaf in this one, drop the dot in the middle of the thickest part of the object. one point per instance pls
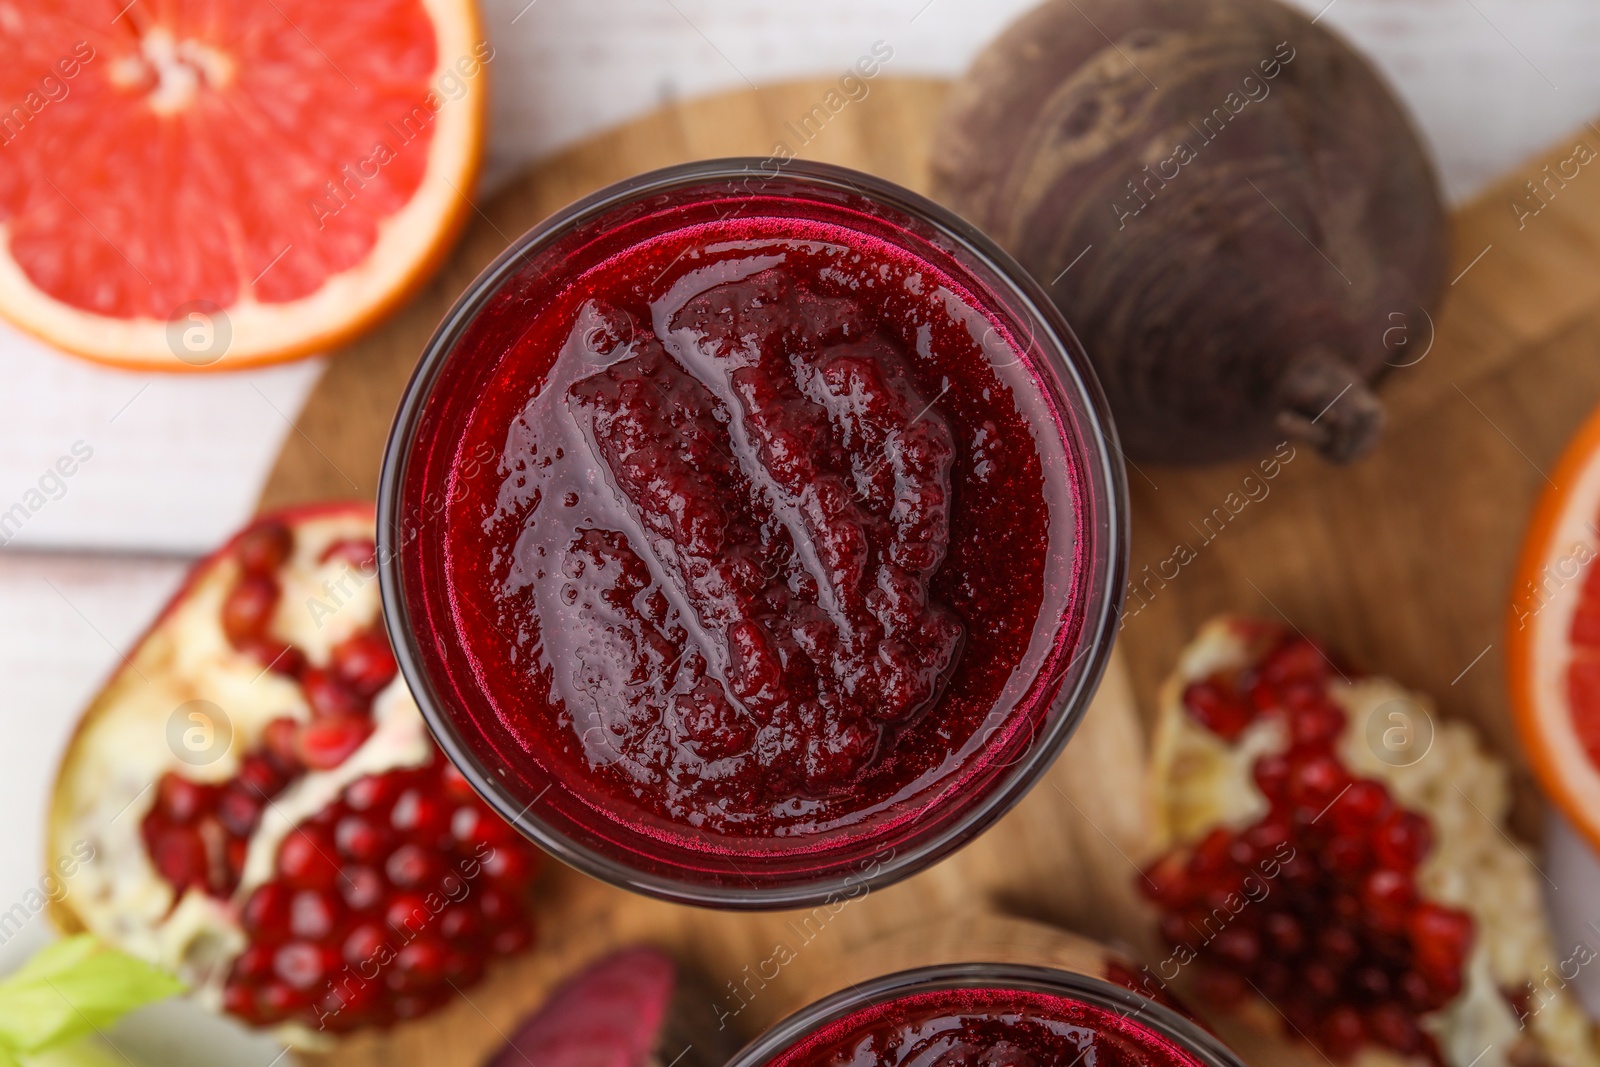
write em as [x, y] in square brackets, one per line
[73, 988]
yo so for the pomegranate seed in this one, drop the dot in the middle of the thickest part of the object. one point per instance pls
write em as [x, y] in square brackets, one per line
[358, 839]
[1441, 938]
[240, 1000]
[1402, 840]
[512, 868]
[358, 552]
[496, 906]
[364, 943]
[181, 801]
[1166, 882]
[238, 811]
[364, 663]
[413, 867]
[1390, 1025]
[1341, 854]
[1272, 777]
[1388, 898]
[258, 776]
[276, 656]
[326, 743]
[1417, 992]
[179, 856]
[1319, 723]
[407, 913]
[1296, 660]
[254, 962]
[1285, 933]
[266, 913]
[1275, 979]
[1314, 782]
[455, 784]
[419, 816]
[1218, 709]
[262, 549]
[1342, 1033]
[236, 851]
[329, 697]
[279, 741]
[1365, 803]
[1372, 982]
[1237, 946]
[1320, 979]
[313, 916]
[459, 923]
[419, 965]
[474, 824]
[362, 888]
[302, 965]
[373, 793]
[248, 609]
[305, 860]
[1337, 945]
[279, 999]
[1211, 854]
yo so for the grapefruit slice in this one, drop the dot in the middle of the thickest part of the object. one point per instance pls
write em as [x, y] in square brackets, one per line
[224, 183]
[1553, 635]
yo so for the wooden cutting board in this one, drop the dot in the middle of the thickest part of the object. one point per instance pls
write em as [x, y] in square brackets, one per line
[1403, 561]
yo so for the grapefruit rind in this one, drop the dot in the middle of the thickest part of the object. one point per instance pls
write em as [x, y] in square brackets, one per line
[411, 245]
[1562, 540]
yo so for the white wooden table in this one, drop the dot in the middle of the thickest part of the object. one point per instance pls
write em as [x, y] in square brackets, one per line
[177, 462]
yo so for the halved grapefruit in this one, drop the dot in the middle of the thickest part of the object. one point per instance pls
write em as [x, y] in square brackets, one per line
[1553, 635]
[222, 183]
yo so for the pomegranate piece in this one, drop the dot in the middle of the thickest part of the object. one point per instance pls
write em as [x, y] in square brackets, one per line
[1341, 941]
[374, 906]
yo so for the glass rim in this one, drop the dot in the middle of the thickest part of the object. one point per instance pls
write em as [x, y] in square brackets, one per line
[1026, 978]
[1103, 476]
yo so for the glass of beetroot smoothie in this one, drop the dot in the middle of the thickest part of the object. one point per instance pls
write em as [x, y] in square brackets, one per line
[986, 1015]
[752, 539]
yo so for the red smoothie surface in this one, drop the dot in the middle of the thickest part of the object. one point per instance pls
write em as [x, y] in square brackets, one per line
[984, 1028]
[782, 530]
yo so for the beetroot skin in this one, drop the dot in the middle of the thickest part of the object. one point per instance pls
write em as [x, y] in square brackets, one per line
[1225, 200]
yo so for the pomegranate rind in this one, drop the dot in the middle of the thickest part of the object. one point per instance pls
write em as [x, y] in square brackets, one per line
[1199, 782]
[120, 748]
[412, 244]
[1557, 550]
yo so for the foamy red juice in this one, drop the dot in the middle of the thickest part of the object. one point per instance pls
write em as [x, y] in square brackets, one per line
[750, 540]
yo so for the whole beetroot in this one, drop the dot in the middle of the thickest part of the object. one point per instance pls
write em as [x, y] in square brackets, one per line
[1225, 200]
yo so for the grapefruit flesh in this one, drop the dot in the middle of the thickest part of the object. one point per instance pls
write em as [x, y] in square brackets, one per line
[1553, 635]
[294, 163]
